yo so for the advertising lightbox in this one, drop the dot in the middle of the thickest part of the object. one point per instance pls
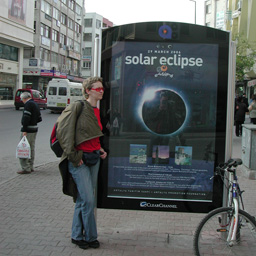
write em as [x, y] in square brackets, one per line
[164, 116]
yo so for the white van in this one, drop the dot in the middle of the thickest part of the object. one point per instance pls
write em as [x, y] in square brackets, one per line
[61, 92]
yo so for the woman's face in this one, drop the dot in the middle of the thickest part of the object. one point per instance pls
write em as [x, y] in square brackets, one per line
[96, 91]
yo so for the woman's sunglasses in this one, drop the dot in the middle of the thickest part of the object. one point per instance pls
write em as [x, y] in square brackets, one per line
[100, 89]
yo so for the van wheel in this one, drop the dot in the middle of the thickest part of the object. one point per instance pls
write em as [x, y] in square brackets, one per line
[17, 108]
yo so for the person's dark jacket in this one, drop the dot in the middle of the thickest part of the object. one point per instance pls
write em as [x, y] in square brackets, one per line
[31, 116]
[240, 111]
[72, 132]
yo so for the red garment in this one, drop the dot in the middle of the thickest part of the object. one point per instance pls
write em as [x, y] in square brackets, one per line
[93, 144]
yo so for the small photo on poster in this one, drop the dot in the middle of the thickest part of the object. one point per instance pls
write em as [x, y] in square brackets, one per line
[160, 154]
[138, 154]
[183, 155]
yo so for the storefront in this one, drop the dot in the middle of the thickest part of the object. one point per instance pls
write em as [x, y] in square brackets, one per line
[8, 71]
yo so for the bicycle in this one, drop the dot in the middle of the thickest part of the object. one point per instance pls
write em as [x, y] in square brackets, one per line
[227, 230]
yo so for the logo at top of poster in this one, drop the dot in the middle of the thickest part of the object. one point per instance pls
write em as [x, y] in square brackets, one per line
[165, 32]
[163, 111]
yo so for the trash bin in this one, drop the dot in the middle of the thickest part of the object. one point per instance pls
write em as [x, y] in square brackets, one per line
[249, 146]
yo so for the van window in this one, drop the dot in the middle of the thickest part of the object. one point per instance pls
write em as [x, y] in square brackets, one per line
[62, 91]
[52, 90]
[76, 92]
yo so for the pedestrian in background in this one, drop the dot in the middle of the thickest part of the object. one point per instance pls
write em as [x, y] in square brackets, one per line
[79, 136]
[252, 109]
[31, 116]
[240, 111]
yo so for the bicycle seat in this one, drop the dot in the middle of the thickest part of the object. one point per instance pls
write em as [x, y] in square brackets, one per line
[234, 162]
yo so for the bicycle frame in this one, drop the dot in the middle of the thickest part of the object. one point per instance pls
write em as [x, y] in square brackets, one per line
[233, 197]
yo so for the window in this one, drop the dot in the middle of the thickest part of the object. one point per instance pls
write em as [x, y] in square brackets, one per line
[62, 60]
[55, 13]
[54, 57]
[76, 92]
[78, 10]
[63, 19]
[77, 47]
[70, 23]
[64, 1]
[44, 54]
[52, 90]
[29, 53]
[87, 64]
[87, 37]
[8, 52]
[46, 7]
[71, 4]
[63, 39]
[77, 28]
[45, 31]
[62, 91]
[55, 36]
[70, 42]
[98, 24]
[208, 8]
[87, 51]
[88, 23]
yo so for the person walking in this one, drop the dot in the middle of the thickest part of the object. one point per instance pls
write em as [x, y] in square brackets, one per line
[79, 136]
[31, 116]
[240, 111]
[252, 109]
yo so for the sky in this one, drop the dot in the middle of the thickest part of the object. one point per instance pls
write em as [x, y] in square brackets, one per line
[131, 11]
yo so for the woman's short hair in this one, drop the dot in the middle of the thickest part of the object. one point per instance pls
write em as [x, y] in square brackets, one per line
[88, 84]
[25, 95]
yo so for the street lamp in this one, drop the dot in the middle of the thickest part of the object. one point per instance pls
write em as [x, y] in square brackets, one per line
[195, 8]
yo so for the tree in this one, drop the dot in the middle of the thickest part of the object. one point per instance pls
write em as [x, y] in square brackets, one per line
[245, 57]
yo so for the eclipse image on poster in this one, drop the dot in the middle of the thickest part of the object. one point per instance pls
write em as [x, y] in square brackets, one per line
[165, 113]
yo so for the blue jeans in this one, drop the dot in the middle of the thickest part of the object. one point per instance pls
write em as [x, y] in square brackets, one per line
[84, 223]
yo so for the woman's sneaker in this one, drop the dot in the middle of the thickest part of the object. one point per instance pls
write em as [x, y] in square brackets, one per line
[81, 243]
[94, 244]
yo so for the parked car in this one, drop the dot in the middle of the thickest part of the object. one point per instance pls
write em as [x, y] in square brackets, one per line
[36, 96]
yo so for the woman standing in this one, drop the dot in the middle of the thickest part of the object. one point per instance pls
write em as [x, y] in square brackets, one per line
[79, 132]
[252, 109]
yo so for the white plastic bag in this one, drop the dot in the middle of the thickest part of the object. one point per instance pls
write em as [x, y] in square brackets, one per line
[23, 148]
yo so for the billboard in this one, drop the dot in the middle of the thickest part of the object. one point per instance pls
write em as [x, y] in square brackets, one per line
[163, 117]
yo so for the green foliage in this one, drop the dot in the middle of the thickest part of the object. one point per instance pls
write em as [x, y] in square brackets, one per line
[245, 57]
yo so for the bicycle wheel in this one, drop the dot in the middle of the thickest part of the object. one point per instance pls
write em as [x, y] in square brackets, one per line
[211, 235]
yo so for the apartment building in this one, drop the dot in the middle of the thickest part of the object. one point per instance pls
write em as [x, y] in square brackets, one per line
[237, 16]
[57, 43]
[93, 25]
[16, 32]
[216, 13]
[243, 23]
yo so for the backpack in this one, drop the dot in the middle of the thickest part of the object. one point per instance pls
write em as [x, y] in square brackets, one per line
[54, 142]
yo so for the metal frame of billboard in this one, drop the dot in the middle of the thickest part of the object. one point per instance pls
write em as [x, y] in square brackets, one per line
[125, 45]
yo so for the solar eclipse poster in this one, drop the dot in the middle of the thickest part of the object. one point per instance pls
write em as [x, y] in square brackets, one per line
[166, 123]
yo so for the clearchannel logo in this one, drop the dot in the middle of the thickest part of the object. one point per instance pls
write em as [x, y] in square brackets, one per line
[160, 205]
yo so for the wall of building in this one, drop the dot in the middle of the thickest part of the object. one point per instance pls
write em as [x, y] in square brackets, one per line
[16, 32]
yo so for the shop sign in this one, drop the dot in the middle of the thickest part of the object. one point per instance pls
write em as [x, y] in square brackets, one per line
[251, 83]
[30, 72]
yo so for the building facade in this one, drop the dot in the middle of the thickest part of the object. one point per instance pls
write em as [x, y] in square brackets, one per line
[216, 13]
[57, 43]
[93, 25]
[16, 32]
[237, 16]
[243, 23]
